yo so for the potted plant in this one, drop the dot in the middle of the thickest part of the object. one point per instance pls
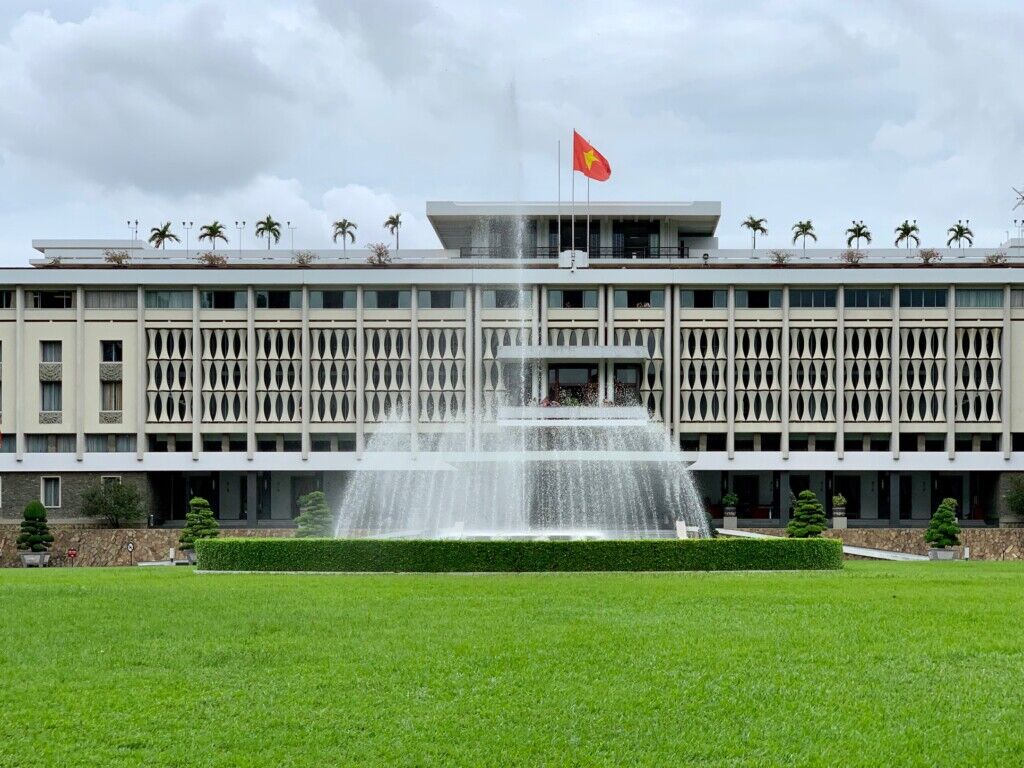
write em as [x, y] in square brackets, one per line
[808, 519]
[943, 532]
[199, 524]
[729, 502]
[35, 538]
[839, 511]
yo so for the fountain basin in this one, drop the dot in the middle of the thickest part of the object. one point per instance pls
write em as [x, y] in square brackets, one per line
[586, 415]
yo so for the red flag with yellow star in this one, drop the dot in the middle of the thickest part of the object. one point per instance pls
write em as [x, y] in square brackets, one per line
[588, 160]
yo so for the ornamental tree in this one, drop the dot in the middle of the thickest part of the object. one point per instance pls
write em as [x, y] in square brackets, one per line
[808, 519]
[35, 534]
[315, 518]
[114, 503]
[943, 529]
[199, 523]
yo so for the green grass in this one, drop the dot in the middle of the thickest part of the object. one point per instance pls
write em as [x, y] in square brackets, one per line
[900, 664]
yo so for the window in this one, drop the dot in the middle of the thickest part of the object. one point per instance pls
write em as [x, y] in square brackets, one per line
[639, 299]
[867, 298]
[278, 300]
[758, 299]
[96, 444]
[506, 298]
[926, 298]
[332, 299]
[50, 351]
[559, 298]
[111, 351]
[51, 299]
[7, 443]
[223, 299]
[6, 299]
[126, 443]
[51, 396]
[704, 299]
[64, 444]
[49, 490]
[442, 299]
[979, 298]
[37, 443]
[387, 299]
[111, 300]
[110, 395]
[168, 299]
[812, 299]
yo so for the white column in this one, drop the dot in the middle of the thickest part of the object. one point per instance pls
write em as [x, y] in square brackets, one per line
[544, 337]
[610, 340]
[840, 371]
[468, 377]
[894, 375]
[535, 325]
[197, 376]
[141, 373]
[666, 363]
[730, 376]
[18, 369]
[951, 373]
[414, 369]
[602, 364]
[250, 376]
[478, 368]
[1004, 374]
[672, 308]
[79, 377]
[784, 382]
[306, 381]
[360, 376]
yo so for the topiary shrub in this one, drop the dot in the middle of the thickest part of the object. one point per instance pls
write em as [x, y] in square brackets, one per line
[943, 529]
[35, 534]
[199, 523]
[808, 519]
[315, 518]
[115, 504]
[730, 499]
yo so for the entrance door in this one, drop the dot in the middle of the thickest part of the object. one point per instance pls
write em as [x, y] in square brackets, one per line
[748, 488]
[572, 384]
[951, 487]
[906, 497]
[848, 486]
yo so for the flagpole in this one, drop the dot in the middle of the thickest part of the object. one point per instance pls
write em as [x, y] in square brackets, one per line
[588, 217]
[558, 246]
[572, 205]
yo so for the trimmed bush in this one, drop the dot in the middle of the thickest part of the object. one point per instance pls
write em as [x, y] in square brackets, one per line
[35, 534]
[943, 529]
[116, 504]
[315, 518]
[199, 523]
[808, 519]
[383, 555]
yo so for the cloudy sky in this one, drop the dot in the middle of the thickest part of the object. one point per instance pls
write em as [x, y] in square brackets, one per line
[316, 110]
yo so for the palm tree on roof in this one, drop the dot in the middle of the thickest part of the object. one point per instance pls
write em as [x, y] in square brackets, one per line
[804, 229]
[345, 229]
[906, 232]
[392, 224]
[958, 233]
[213, 232]
[857, 232]
[757, 227]
[269, 228]
[159, 236]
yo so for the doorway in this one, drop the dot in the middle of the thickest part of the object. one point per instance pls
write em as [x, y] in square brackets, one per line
[576, 384]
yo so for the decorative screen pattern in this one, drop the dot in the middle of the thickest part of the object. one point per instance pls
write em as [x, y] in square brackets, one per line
[572, 336]
[702, 384]
[332, 363]
[922, 374]
[169, 375]
[978, 374]
[867, 362]
[278, 375]
[494, 385]
[758, 363]
[224, 379]
[442, 364]
[388, 380]
[652, 374]
[812, 374]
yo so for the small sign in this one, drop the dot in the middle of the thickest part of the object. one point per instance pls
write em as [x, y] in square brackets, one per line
[131, 546]
[72, 553]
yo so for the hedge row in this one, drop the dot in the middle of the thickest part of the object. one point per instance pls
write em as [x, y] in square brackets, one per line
[366, 555]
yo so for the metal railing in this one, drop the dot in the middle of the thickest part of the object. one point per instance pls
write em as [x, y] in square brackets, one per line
[596, 252]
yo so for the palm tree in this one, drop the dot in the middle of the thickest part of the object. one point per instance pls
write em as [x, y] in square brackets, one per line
[269, 228]
[857, 232]
[958, 233]
[392, 225]
[906, 232]
[158, 236]
[345, 229]
[756, 227]
[804, 229]
[213, 232]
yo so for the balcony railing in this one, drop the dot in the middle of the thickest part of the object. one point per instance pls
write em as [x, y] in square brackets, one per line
[539, 252]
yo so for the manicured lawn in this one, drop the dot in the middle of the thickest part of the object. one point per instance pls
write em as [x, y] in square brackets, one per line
[902, 664]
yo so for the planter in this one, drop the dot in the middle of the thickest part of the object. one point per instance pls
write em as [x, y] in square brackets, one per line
[729, 518]
[942, 553]
[839, 518]
[34, 559]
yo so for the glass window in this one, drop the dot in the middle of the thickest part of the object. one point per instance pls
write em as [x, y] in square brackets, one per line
[96, 444]
[279, 299]
[758, 299]
[867, 298]
[332, 299]
[50, 492]
[50, 351]
[564, 298]
[979, 298]
[926, 298]
[704, 299]
[6, 299]
[441, 299]
[51, 299]
[222, 299]
[111, 299]
[37, 443]
[126, 443]
[51, 396]
[111, 351]
[65, 444]
[507, 298]
[110, 396]
[639, 299]
[168, 299]
[817, 298]
[387, 299]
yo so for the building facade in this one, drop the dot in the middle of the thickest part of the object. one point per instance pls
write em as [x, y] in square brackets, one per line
[889, 381]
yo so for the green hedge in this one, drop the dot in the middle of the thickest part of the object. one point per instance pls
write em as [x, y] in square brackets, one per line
[363, 555]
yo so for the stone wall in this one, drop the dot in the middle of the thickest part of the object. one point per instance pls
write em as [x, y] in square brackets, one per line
[19, 488]
[985, 543]
[107, 546]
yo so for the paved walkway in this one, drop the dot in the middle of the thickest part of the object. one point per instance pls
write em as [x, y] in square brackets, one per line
[875, 554]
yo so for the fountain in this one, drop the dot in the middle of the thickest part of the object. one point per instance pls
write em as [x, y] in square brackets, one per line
[530, 469]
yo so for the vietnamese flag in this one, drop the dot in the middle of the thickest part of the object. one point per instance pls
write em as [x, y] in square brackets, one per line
[588, 160]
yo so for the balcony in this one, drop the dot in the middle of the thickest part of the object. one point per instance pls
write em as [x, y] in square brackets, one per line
[564, 354]
[601, 253]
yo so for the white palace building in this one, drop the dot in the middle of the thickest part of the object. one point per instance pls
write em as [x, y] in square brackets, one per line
[893, 382]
